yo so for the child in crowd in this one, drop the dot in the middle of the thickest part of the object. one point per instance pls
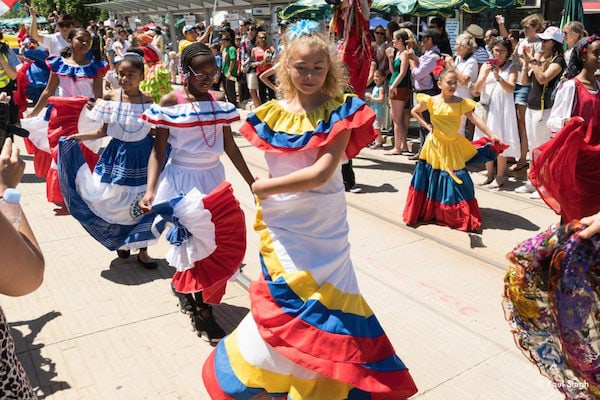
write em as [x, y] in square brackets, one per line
[197, 127]
[310, 331]
[173, 67]
[111, 79]
[72, 75]
[377, 102]
[441, 188]
[565, 169]
[215, 47]
[106, 202]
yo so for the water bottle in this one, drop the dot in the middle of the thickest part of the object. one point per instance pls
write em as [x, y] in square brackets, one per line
[9, 206]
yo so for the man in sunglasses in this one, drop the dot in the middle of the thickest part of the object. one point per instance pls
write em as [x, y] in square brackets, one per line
[56, 42]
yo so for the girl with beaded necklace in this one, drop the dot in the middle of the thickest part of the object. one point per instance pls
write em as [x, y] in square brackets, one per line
[310, 333]
[197, 127]
[106, 202]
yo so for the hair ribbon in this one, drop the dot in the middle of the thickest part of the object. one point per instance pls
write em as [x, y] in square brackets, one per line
[304, 27]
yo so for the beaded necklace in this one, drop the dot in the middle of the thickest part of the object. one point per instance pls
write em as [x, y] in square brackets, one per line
[214, 135]
[141, 126]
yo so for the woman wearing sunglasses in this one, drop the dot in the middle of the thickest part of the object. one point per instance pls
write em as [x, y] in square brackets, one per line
[261, 59]
[57, 41]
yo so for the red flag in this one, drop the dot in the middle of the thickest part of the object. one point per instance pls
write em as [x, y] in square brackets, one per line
[6, 5]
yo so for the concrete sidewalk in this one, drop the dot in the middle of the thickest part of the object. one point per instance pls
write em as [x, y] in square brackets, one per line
[105, 328]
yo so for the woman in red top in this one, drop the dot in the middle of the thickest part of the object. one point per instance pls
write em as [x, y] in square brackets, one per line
[261, 59]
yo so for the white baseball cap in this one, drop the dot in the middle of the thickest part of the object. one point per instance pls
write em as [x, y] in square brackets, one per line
[552, 33]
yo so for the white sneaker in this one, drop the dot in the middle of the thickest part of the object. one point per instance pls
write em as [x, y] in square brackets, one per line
[526, 188]
[535, 195]
[355, 189]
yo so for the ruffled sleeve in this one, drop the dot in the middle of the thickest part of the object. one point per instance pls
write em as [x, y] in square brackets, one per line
[58, 66]
[187, 116]
[272, 128]
[108, 111]
[424, 98]
[103, 111]
[467, 105]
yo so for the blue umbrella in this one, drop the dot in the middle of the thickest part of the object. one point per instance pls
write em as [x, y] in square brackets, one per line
[375, 22]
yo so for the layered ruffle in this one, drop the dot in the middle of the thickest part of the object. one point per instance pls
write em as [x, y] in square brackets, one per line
[67, 118]
[565, 171]
[310, 334]
[434, 195]
[109, 213]
[552, 304]
[188, 115]
[58, 66]
[109, 111]
[272, 128]
[209, 241]
[37, 142]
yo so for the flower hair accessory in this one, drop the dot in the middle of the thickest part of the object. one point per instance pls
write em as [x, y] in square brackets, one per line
[304, 27]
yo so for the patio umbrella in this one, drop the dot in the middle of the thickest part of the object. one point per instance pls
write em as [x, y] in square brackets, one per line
[377, 21]
[479, 6]
[306, 9]
[419, 8]
[573, 11]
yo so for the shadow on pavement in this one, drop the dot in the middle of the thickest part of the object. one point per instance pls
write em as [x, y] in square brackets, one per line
[385, 188]
[229, 316]
[40, 370]
[498, 219]
[130, 272]
[407, 167]
[32, 178]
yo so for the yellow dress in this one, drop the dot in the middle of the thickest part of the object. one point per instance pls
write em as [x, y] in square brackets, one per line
[454, 148]
[441, 189]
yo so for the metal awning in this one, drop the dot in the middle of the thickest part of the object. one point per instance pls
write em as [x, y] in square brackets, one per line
[145, 7]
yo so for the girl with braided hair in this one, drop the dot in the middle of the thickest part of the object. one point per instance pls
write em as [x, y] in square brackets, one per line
[310, 333]
[565, 169]
[197, 128]
[105, 201]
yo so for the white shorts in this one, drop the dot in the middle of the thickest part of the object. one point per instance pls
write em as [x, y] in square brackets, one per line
[252, 81]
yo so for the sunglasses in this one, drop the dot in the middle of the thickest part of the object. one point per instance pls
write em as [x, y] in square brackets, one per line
[202, 76]
[262, 37]
[380, 33]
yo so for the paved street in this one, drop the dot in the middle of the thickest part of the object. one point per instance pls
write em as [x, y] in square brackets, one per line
[105, 328]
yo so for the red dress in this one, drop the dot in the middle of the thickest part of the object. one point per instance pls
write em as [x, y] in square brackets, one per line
[565, 169]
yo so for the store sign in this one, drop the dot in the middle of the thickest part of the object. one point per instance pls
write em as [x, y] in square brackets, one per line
[261, 11]
[591, 7]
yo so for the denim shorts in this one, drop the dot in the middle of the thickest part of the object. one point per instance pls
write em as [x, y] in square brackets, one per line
[521, 93]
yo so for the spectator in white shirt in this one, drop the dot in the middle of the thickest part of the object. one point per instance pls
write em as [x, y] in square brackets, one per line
[55, 42]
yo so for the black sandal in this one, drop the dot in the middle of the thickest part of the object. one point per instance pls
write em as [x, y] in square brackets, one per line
[124, 253]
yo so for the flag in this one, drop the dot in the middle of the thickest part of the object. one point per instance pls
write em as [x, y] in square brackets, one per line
[6, 5]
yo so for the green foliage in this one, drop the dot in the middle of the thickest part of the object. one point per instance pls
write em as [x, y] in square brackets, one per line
[73, 7]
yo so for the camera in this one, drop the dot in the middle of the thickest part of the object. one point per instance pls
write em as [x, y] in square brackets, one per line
[8, 129]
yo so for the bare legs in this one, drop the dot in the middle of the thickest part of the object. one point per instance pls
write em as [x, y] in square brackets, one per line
[400, 129]
[254, 97]
[522, 161]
